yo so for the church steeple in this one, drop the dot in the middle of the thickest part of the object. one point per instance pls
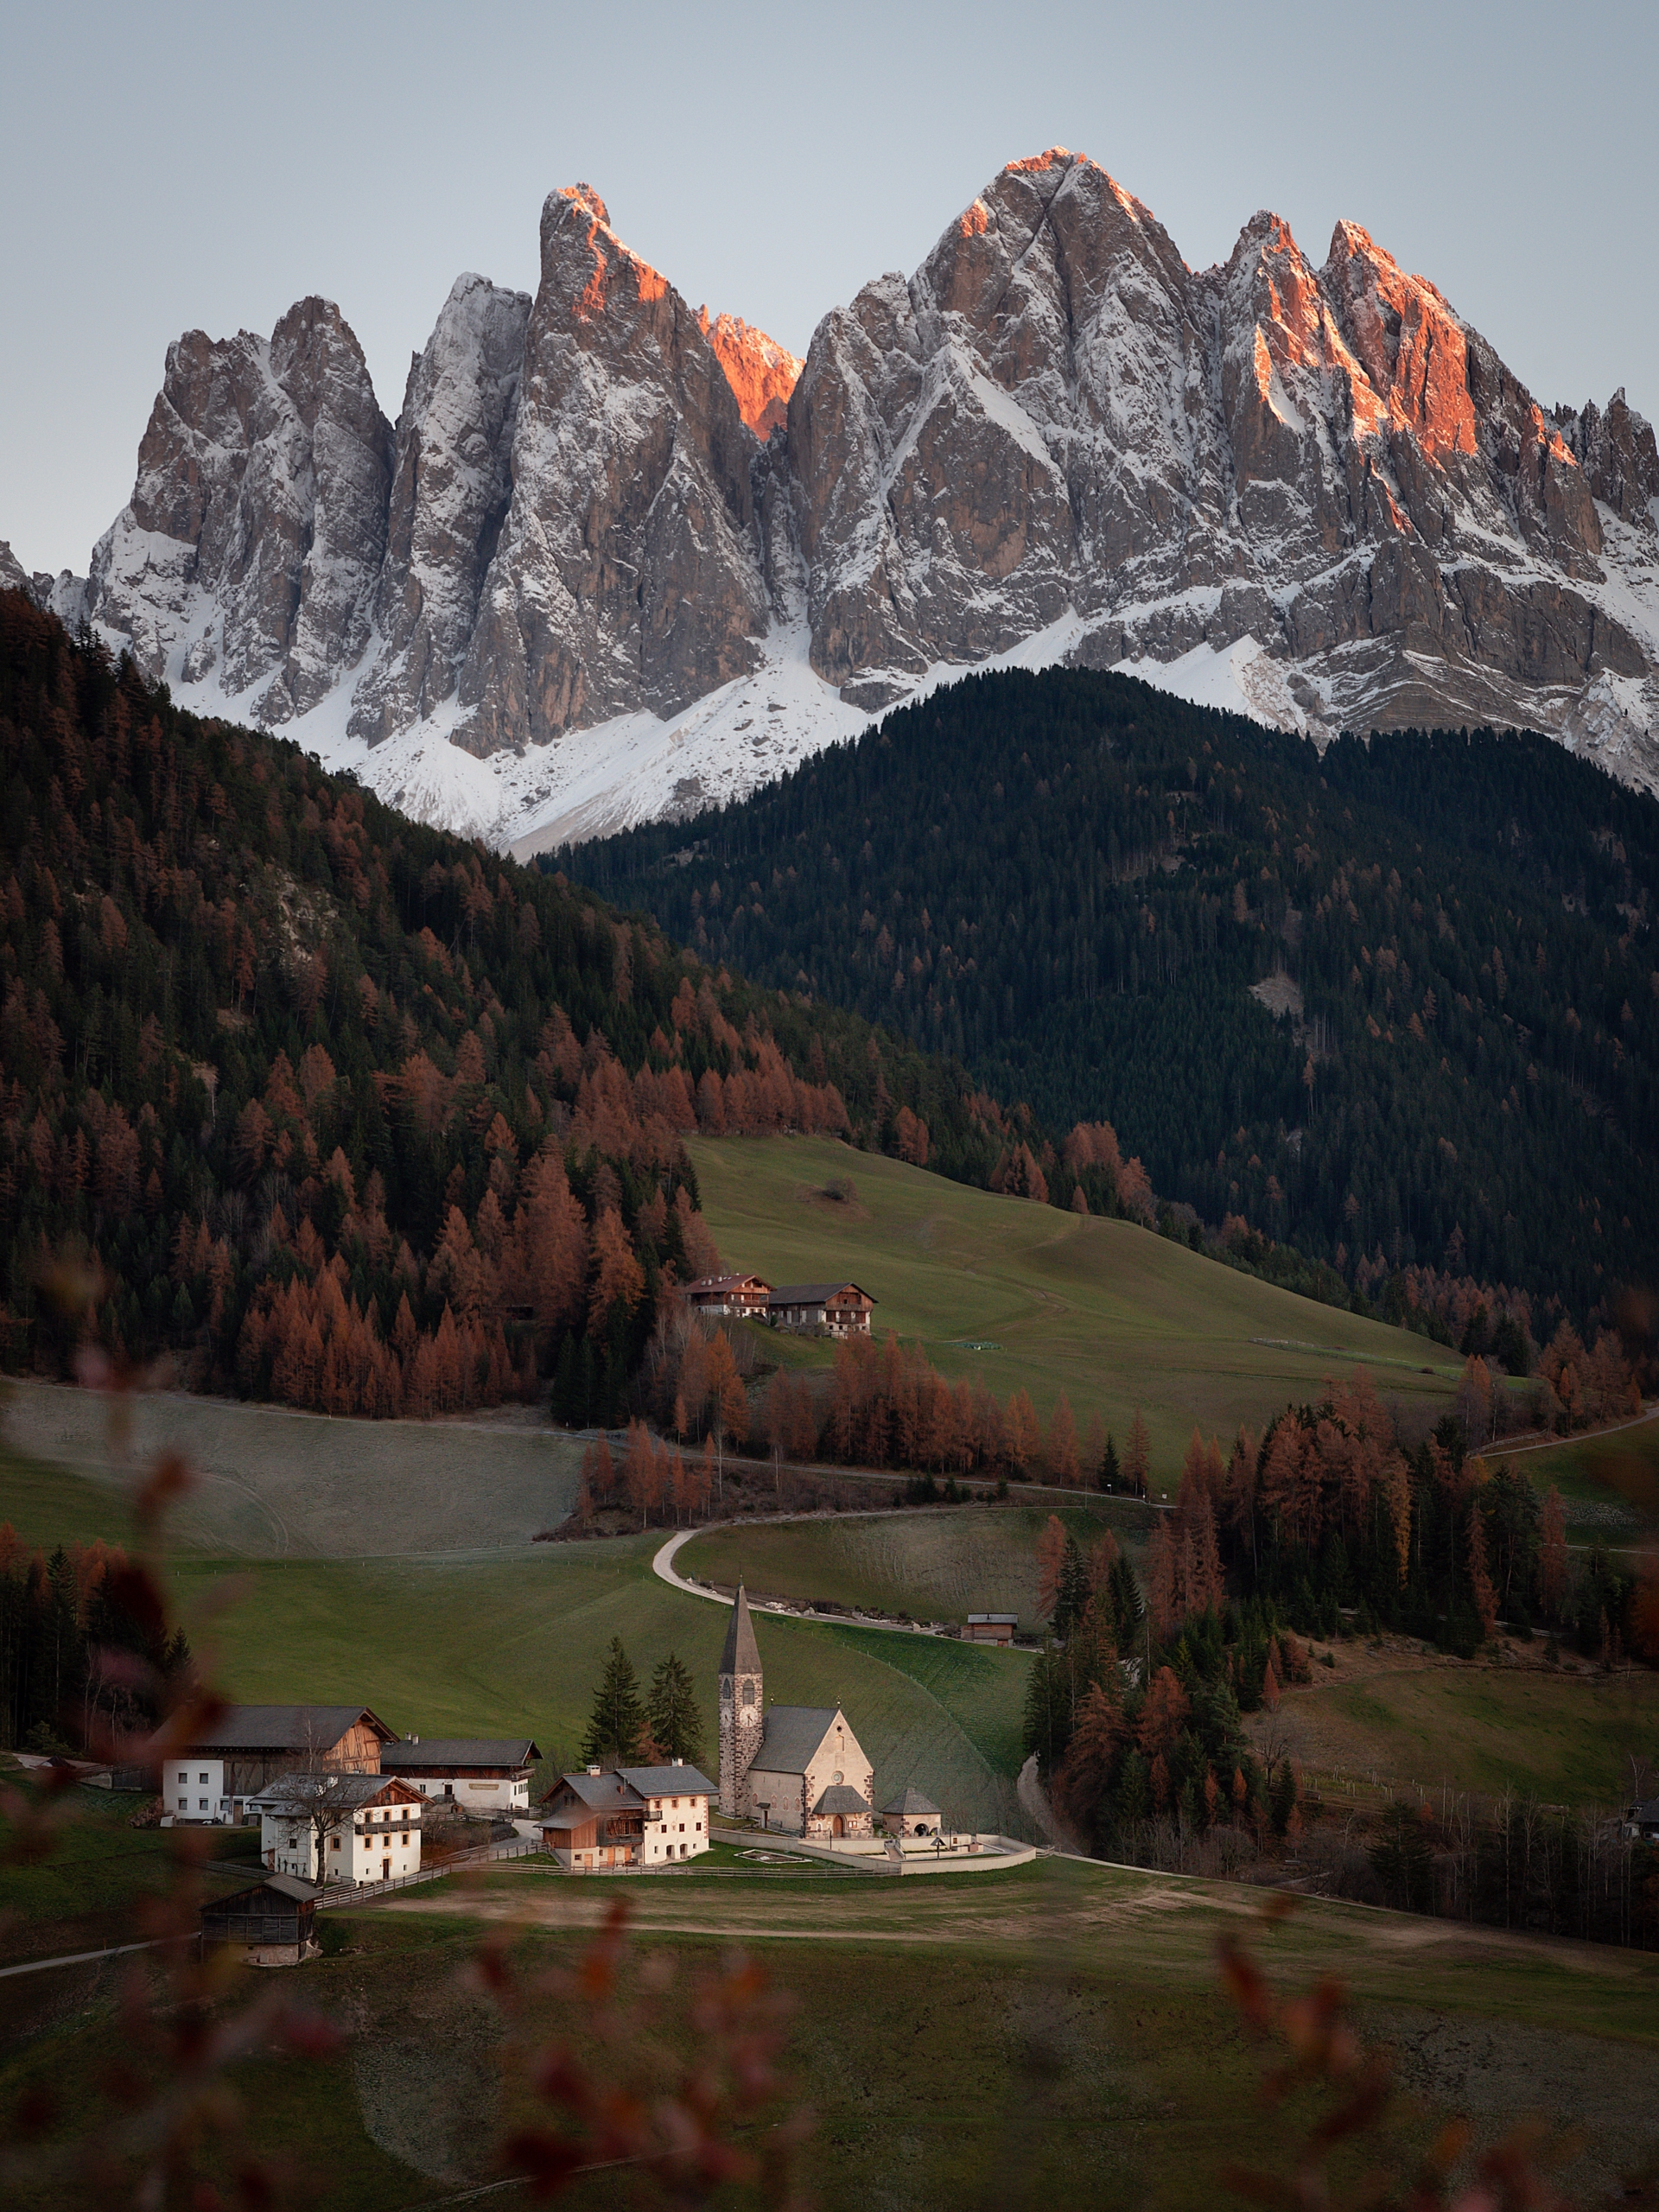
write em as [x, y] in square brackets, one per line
[742, 1654]
[742, 1711]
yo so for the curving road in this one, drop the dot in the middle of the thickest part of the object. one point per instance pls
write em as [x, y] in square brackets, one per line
[663, 1566]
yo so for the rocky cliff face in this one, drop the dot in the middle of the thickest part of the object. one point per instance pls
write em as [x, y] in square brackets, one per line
[1056, 420]
[619, 555]
[630, 570]
[759, 370]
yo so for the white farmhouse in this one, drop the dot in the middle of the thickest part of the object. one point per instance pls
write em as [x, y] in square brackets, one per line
[340, 1827]
[483, 1774]
[632, 1817]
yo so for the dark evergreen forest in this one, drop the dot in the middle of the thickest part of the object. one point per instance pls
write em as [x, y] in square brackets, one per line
[1086, 890]
[333, 1108]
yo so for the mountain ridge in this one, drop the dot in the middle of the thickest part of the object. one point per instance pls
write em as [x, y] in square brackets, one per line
[618, 557]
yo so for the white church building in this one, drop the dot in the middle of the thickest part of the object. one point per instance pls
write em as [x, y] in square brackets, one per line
[798, 1768]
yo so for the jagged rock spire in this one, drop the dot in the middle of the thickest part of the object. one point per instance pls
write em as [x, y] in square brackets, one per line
[742, 1654]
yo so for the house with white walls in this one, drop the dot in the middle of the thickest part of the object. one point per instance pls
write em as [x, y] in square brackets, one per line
[481, 1774]
[334, 1826]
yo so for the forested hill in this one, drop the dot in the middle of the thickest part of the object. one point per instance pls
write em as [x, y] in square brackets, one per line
[1086, 889]
[342, 1109]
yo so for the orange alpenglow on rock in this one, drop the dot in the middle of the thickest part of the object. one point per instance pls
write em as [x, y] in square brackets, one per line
[760, 371]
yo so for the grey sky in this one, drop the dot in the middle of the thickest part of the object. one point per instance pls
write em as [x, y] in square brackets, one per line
[169, 167]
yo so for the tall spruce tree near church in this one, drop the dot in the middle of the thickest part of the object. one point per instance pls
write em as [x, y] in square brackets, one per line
[676, 1719]
[617, 1719]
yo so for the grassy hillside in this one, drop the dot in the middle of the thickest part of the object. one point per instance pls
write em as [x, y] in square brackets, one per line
[1507, 1722]
[932, 1566]
[1029, 1297]
[1100, 2065]
[271, 1482]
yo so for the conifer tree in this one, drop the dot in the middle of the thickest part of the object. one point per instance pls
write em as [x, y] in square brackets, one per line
[617, 1718]
[1138, 1459]
[676, 1719]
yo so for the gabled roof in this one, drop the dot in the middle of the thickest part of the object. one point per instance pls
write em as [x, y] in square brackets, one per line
[742, 1654]
[352, 1790]
[439, 1752]
[838, 1798]
[600, 1793]
[812, 1293]
[726, 1282]
[667, 1780]
[793, 1734]
[909, 1803]
[286, 1885]
[287, 1728]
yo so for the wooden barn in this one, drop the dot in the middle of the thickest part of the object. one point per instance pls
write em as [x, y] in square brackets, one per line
[835, 1309]
[990, 1628]
[272, 1924]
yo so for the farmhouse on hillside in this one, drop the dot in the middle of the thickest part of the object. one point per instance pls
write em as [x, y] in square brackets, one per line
[485, 1774]
[795, 1767]
[737, 1298]
[838, 1309]
[632, 1817]
[228, 1764]
[340, 1827]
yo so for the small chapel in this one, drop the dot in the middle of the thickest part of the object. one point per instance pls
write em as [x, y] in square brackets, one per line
[798, 1768]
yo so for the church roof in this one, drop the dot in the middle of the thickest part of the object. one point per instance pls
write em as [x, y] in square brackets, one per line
[793, 1734]
[911, 1802]
[742, 1654]
[838, 1798]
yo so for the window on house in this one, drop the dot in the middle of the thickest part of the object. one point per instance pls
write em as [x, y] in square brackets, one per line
[201, 1777]
[184, 1777]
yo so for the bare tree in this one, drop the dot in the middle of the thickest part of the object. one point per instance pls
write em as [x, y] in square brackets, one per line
[323, 1804]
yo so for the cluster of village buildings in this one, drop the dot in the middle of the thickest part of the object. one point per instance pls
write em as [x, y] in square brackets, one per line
[340, 1798]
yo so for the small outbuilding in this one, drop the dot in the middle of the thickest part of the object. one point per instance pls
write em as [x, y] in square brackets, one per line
[990, 1628]
[911, 1813]
[272, 1924]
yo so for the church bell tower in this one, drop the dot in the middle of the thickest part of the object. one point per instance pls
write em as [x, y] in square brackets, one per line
[743, 1713]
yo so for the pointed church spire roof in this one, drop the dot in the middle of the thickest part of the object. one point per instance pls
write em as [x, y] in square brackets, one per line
[742, 1654]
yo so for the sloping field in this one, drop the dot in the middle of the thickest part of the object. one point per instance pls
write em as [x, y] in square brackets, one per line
[1565, 1736]
[1109, 1313]
[938, 1564]
[271, 1482]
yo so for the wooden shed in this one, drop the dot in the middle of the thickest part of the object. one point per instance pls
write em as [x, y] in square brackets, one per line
[990, 1628]
[272, 1924]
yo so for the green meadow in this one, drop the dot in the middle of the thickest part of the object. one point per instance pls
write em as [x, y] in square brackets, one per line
[1051, 2036]
[939, 1564]
[1031, 1298]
